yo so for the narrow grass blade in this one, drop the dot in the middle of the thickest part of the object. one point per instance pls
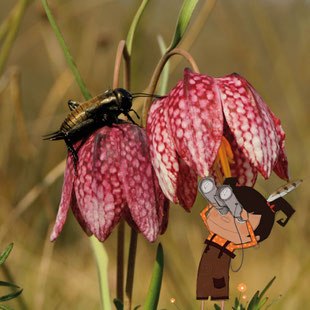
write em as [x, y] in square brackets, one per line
[10, 296]
[253, 302]
[165, 73]
[2, 283]
[5, 307]
[4, 255]
[266, 288]
[217, 307]
[154, 289]
[66, 52]
[183, 21]
[134, 24]
[102, 267]
[19, 11]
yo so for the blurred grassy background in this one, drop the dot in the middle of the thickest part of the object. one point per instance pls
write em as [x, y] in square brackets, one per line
[266, 41]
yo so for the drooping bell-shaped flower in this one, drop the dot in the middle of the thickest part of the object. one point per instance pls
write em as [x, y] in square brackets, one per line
[187, 127]
[114, 179]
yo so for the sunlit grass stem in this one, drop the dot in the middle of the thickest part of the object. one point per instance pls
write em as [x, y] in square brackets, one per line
[11, 30]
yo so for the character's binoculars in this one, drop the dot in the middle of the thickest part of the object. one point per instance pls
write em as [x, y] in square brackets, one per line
[222, 198]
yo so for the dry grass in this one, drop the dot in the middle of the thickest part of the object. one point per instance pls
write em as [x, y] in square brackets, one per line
[266, 41]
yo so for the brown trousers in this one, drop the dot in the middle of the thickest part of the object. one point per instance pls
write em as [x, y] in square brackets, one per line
[213, 272]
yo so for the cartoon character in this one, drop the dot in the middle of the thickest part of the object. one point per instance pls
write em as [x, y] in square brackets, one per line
[238, 217]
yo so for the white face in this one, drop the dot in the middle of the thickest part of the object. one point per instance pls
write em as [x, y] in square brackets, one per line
[225, 193]
[207, 186]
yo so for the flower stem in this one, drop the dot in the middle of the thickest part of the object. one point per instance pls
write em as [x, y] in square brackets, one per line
[120, 261]
[121, 52]
[102, 267]
[156, 75]
[131, 268]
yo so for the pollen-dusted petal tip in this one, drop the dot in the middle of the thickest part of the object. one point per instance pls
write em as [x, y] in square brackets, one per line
[65, 201]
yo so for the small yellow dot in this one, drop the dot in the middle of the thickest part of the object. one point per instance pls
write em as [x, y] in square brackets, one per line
[244, 297]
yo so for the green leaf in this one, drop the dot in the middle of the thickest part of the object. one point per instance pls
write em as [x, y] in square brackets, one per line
[137, 307]
[4, 255]
[2, 283]
[66, 52]
[266, 288]
[6, 307]
[10, 296]
[217, 307]
[262, 303]
[102, 268]
[165, 73]
[236, 302]
[154, 289]
[254, 301]
[183, 21]
[118, 304]
[134, 24]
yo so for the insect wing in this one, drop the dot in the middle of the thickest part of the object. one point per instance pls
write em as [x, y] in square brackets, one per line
[283, 190]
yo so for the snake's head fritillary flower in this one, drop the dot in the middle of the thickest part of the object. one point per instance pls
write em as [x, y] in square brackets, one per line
[187, 127]
[114, 179]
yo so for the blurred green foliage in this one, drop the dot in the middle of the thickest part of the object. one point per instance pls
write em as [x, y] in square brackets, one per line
[265, 41]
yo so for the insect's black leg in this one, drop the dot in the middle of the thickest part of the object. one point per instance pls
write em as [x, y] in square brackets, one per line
[82, 142]
[73, 152]
[129, 117]
[73, 104]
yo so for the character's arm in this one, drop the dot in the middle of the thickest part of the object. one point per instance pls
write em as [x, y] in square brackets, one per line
[253, 241]
[204, 217]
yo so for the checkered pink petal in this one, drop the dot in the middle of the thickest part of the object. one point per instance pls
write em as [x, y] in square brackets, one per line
[162, 150]
[97, 186]
[242, 168]
[187, 185]
[136, 175]
[65, 201]
[77, 213]
[196, 120]
[250, 121]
